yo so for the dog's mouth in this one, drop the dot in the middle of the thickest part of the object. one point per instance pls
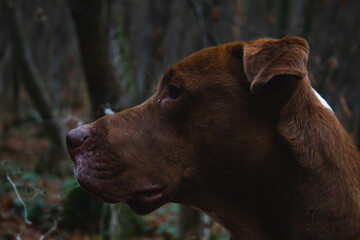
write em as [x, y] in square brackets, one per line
[147, 200]
[150, 195]
[141, 201]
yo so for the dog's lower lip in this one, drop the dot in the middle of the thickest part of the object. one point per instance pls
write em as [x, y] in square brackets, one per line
[148, 196]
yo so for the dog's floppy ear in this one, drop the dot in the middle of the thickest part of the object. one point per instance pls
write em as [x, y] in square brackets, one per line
[264, 59]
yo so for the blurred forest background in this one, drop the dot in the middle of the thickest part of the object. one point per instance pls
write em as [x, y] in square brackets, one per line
[66, 62]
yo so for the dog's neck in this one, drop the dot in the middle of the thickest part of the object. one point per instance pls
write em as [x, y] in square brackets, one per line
[243, 215]
[254, 211]
[328, 172]
[316, 192]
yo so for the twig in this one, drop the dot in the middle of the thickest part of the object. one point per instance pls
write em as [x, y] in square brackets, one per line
[20, 200]
[42, 237]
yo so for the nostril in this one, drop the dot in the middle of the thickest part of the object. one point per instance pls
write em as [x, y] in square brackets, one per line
[76, 137]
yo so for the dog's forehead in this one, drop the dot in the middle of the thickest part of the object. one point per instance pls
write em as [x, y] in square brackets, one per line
[199, 66]
[204, 58]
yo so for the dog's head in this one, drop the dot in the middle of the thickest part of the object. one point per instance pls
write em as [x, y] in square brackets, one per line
[210, 124]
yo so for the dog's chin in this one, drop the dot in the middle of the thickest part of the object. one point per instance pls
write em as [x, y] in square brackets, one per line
[142, 209]
[137, 206]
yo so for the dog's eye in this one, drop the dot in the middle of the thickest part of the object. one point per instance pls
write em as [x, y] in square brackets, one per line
[174, 92]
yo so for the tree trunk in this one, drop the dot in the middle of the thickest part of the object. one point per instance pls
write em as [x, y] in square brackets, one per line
[91, 26]
[309, 10]
[34, 87]
[93, 22]
[158, 18]
[283, 18]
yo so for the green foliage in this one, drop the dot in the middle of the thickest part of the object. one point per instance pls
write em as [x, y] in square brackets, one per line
[68, 185]
[35, 210]
[82, 212]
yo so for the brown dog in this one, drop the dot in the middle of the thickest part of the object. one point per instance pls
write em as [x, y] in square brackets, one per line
[237, 132]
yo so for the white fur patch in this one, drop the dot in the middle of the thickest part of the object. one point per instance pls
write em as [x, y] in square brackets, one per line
[108, 111]
[322, 100]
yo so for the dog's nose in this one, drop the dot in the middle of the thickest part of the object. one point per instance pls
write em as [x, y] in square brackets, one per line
[76, 137]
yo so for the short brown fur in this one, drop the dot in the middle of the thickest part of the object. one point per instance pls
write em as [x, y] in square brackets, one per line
[237, 132]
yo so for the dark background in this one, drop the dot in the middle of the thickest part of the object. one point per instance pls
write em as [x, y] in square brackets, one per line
[63, 63]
